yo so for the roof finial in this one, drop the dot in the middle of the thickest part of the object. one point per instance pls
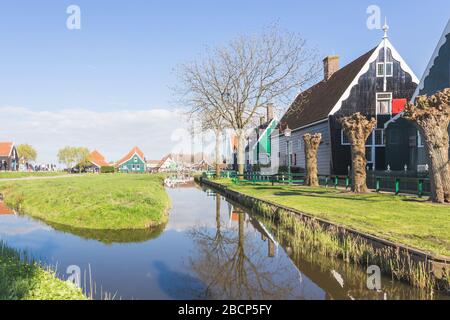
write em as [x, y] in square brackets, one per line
[385, 28]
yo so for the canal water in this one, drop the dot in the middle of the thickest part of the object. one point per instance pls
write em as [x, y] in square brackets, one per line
[210, 249]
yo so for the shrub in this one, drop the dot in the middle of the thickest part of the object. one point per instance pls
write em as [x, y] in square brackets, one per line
[108, 169]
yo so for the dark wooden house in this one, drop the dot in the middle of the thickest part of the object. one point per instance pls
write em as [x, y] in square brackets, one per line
[435, 78]
[377, 84]
[9, 158]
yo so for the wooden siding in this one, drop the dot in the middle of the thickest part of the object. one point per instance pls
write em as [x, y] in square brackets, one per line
[362, 99]
[131, 165]
[439, 76]
[324, 153]
[363, 95]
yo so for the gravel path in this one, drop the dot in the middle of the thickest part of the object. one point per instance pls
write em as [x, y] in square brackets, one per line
[41, 178]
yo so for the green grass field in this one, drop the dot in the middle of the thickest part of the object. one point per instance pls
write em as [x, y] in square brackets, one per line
[17, 175]
[20, 280]
[97, 202]
[407, 220]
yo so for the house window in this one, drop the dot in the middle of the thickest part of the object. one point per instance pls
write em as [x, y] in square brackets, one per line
[138, 167]
[295, 159]
[384, 103]
[369, 157]
[419, 140]
[381, 69]
[135, 159]
[300, 146]
[379, 138]
[394, 136]
[376, 139]
[345, 141]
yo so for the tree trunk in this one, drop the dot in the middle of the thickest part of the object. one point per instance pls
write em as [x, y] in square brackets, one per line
[241, 151]
[358, 129]
[359, 163]
[218, 161]
[312, 143]
[432, 116]
[437, 145]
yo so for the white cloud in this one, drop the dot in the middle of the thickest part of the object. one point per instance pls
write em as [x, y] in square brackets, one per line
[156, 131]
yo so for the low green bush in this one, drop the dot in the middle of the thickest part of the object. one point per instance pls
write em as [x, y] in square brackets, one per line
[109, 169]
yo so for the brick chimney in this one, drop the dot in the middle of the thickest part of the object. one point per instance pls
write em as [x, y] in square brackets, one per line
[270, 112]
[262, 120]
[330, 66]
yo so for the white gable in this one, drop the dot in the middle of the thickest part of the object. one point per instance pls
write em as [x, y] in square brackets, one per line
[366, 67]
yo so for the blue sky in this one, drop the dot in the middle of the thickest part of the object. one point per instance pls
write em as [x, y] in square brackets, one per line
[125, 53]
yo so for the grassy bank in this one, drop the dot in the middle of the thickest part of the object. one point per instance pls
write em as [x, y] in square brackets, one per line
[20, 280]
[407, 220]
[98, 202]
[17, 175]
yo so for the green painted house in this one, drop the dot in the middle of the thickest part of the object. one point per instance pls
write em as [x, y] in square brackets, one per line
[259, 145]
[132, 162]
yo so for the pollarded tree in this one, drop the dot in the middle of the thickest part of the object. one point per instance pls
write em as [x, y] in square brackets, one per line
[312, 143]
[432, 117]
[358, 128]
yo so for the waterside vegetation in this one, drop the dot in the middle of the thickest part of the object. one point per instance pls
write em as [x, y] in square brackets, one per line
[21, 278]
[333, 243]
[97, 202]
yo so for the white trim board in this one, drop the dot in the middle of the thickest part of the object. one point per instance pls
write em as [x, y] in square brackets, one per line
[264, 132]
[366, 67]
[304, 127]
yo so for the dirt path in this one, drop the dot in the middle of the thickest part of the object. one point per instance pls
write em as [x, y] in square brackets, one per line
[42, 178]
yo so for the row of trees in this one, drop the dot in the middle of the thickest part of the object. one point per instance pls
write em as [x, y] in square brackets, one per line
[231, 87]
[69, 156]
[431, 115]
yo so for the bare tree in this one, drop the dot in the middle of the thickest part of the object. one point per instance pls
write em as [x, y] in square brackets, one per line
[358, 128]
[240, 79]
[432, 117]
[312, 143]
[212, 120]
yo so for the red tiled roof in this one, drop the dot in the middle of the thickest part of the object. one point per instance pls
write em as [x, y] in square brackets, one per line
[98, 159]
[130, 154]
[6, 148]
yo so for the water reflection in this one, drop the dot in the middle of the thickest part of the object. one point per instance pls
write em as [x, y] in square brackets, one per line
[210, 249]
[233, 268]
[4, 210]
[112, 236]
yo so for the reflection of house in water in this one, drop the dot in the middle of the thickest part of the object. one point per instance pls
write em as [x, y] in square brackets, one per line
[4, 210]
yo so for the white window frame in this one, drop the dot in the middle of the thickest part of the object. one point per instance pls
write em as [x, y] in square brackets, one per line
[385, 99]
[342, 139]
[382, 138]
[419, 140]
[381, 75]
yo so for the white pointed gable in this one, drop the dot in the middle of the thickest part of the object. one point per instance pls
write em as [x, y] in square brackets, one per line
[366, 67]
